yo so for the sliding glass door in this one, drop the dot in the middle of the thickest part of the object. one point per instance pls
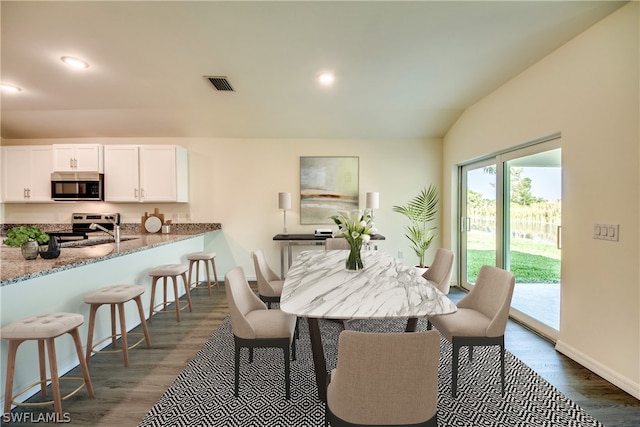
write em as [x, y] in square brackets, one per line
[479, 220]
[510, 217]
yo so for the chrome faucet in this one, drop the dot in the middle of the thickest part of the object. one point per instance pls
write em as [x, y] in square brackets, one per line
[115, 233]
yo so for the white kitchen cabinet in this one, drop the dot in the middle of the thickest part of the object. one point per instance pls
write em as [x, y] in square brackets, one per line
[26, 173]
[77, 158]
[146, 173]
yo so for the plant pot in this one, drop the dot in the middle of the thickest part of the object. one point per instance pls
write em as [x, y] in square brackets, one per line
[30, 249]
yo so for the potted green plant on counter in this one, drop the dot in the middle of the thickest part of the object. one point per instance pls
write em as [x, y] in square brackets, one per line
[28, 238]
[420, 211]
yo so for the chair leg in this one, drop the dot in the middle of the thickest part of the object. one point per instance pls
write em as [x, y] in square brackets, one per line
[11, 369]
[175, 295]
[190, 270]
[215, 273]
[502, 370]
[83, 366]
[470, 353]
[55, 380]
[123, 334]
[92, 323]
[454, 368]
[237, 370]
[143, 321]
[186, 289]
[153, 296]
[287, 375]
[206, 269]
[293, 349]
[43, 368]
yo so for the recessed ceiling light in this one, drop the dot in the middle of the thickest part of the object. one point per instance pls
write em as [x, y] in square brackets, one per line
[9, 88]
[74, 62]
[326, 78]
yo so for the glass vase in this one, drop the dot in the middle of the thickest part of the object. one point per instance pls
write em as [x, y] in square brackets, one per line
[354, 260]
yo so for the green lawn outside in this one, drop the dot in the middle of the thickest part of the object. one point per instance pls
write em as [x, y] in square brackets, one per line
[531, 261]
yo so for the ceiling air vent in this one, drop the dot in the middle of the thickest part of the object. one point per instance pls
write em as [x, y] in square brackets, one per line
[220, 83]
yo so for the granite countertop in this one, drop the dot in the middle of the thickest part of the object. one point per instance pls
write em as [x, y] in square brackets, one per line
[14, 268]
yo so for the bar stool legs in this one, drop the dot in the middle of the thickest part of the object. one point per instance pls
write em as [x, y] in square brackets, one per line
[116, 296]
[164, 272]
[45, 329]
[205, 257]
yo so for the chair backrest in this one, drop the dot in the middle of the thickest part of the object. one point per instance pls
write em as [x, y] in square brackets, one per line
[491, 295]
[264, 273]
[242, 301]
[441, 269]
[385, 378]
[333, 243]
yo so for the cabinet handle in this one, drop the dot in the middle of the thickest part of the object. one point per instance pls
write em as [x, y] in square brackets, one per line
[28, 192]
[24, 193]
[142, 193]
[135, 193]
[75, 163]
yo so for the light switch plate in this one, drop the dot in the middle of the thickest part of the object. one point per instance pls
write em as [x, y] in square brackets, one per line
[606, 232]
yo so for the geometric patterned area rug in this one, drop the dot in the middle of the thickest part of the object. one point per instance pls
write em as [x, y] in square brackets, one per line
[202, 394]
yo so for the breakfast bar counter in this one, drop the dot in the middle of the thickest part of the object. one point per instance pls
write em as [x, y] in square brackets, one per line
[32, 287]
[14, 268]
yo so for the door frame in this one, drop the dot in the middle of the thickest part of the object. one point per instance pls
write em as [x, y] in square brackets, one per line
[546, 143]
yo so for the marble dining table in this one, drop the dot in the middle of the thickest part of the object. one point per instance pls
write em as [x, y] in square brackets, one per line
[318, 286]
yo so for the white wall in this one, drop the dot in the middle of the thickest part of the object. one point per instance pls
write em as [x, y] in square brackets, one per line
[587, 90]
[236, 182]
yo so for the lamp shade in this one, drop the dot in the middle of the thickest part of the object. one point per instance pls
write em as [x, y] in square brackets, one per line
[373, 200]
[284, 200]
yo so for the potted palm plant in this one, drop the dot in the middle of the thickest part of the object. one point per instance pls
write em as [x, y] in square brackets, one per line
[420, 211]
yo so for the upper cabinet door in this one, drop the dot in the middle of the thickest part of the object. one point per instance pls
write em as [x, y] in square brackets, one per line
[77, 158]
[26, 173]
[145, 173]
[121, 173]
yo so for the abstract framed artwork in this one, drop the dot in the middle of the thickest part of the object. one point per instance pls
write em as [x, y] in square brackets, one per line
[327, 185]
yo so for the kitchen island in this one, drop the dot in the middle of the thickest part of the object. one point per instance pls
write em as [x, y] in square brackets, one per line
[30, 287]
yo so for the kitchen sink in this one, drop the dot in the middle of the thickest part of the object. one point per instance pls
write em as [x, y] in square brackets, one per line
[83, 243]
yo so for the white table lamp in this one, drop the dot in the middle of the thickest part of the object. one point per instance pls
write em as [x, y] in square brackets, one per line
[284, 203]
[373, 200]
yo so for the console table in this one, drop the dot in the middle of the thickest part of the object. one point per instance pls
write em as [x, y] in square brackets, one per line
[289, 240]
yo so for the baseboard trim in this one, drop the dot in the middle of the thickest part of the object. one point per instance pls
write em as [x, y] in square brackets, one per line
[624, 383]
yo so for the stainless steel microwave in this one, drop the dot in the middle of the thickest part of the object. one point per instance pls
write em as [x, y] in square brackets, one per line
[77, 186]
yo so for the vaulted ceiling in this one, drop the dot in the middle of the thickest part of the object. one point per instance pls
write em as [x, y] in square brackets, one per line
[403, 69]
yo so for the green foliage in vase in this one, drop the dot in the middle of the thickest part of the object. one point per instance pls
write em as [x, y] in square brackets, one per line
[420, 211]
[22, 234]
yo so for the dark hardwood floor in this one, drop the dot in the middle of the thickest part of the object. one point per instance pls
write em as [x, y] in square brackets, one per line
[123, 396]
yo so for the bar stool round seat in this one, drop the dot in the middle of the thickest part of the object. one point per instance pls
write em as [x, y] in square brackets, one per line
[164, 272]
[116, 296]
[206, 258]
[44, 328]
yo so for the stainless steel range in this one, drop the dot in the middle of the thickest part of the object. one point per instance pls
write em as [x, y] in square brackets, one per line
[81, 222]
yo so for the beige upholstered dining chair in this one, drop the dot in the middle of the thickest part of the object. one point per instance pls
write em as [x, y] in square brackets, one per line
[269, 284]
[441, 269]
[481, 319]
[254, 325]
[384, 379]
[333, 243]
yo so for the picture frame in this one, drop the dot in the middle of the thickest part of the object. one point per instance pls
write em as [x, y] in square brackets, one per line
[327, 185]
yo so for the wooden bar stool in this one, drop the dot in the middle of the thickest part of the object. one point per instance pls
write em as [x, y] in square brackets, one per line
[164, 272]
[205, 257]
[116, 295]
[44, 328]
